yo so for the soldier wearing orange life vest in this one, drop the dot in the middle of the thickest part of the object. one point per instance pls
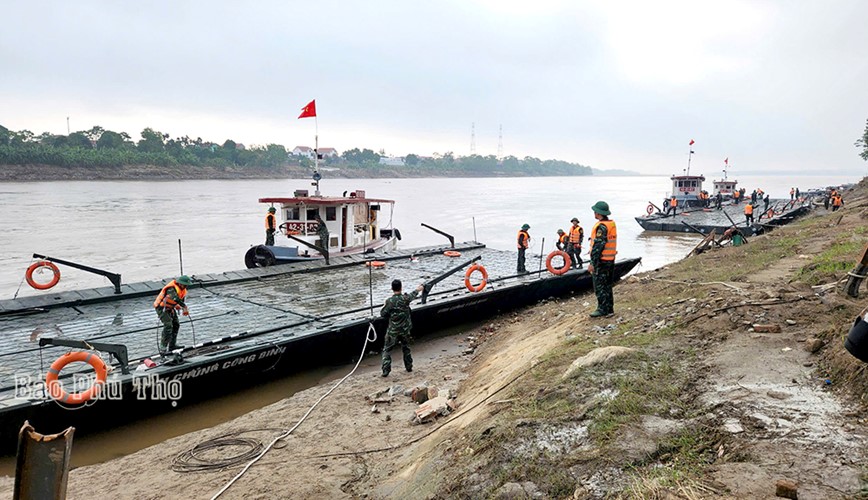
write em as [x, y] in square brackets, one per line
[602, 266]
[748, 213]
[574, 249]
[563, 240]
[270, 226]
[168, 303]
[837, 202]
[523, 242]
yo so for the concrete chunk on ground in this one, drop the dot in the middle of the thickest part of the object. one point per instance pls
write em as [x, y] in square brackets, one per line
[597, 356]
[767, 328]
[430, 409]
[785, 488]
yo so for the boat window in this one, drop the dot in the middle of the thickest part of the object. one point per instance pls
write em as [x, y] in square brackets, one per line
[292, 213]
[312, 213]
[331, 213]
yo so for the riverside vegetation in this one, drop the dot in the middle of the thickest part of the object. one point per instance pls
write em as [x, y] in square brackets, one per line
[98, 153]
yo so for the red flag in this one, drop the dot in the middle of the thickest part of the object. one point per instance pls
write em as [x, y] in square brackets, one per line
[309, 110]
[691, 142]
[726, 160]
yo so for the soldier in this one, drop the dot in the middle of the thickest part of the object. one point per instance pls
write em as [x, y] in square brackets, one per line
[397, 311]
[270, 226]
[523, 243]
[323, 232]
[168, 303]
[766, 202]
[718, 200]
[563, 241]
[602, 266]
[792, 194]
[748, 213]
[577, 234]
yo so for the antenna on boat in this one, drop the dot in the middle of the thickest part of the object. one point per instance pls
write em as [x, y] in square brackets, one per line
[690, 155]
[316, 178]
[474, 228]
[180, 256]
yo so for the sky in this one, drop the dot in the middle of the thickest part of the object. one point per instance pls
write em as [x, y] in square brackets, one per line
[775, 86]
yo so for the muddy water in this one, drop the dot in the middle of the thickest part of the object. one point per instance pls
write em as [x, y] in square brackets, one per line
[134, 228]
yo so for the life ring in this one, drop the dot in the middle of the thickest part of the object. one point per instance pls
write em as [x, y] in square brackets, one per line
[55, 390]
[770, 213]
[452, 253]
[375, 263]
[472, 269]
[649, 209]
[561, 270]
[40, 264]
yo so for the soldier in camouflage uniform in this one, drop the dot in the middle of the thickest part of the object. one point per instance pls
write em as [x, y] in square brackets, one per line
[602, 266]
[397, 311]
[168, 303]
[270, 226]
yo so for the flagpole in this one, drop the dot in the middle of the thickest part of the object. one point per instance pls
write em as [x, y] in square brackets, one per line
[689, 156]
[316, 150]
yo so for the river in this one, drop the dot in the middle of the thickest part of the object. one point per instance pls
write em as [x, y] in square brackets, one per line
[133, 228]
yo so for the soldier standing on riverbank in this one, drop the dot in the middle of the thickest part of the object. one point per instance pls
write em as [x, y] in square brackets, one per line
[602, 266]
[270, 226]
[523, 243]
[397, 311]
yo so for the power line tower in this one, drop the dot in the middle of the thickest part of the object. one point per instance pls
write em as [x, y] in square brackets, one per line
[500, 143]
[473, 138]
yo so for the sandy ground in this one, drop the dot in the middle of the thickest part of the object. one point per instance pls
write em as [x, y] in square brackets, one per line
[764, 390]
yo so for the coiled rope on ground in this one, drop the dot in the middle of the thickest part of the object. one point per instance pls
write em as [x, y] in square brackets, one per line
[193, 460]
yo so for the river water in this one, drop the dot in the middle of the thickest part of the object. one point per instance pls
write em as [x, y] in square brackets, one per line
[133, 228]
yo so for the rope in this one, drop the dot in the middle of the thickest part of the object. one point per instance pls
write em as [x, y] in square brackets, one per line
[22, 281]
[368, 338]
[860, 276]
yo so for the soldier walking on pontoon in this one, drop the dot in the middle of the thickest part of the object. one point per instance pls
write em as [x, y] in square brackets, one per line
[270, 226]
[577, 234]
[523, 242]
[168, 303]
[323, 232]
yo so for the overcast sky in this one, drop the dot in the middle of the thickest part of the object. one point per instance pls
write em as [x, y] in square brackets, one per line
[773, 86]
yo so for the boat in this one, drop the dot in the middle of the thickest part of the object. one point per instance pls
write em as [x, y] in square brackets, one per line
[244, 327]
[725, 187]
[356, 225]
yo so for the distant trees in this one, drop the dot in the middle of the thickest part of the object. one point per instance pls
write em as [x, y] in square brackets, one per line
[861, 143]
[98, 147]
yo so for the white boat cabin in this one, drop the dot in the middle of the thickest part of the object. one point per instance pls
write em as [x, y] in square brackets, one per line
[724, 187]
[353, 221]
[687, 187]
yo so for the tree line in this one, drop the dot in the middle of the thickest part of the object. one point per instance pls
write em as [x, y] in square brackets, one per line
[98, 147]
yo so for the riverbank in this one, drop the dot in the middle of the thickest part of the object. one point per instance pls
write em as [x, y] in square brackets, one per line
[679, 396]
[31, 173]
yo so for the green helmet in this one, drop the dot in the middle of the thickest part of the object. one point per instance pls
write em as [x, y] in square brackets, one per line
[525, 227]
[184, 280]
[272, 209]
[601, 207]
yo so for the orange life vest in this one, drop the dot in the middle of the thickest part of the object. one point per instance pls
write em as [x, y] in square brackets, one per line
[610, 250]
[163, 299]
[270, 221]
[736, 194]
[524, 243]
[563, 238]
[576, 235]
[748, 209]
[673, 202]
[837, 201]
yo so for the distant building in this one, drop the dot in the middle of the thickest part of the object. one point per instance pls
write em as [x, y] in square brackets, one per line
[307, 152]
[392, 161]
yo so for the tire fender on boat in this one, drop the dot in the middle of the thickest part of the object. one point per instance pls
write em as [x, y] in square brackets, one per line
[55, 390]
[37, 265]
[472, 269]
[452, 253]
[561, 270]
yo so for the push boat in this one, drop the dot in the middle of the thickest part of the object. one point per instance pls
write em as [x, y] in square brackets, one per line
[356, 225]
[244, 327]
[694, 214]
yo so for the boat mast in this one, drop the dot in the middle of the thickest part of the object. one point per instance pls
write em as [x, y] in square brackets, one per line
[316, 175]
[690, 155]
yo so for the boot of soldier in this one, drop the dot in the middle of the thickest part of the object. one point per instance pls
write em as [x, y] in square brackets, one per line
[597, 313]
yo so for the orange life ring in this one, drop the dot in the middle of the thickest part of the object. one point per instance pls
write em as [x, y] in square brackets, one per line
[55, 390]
[650, 209]
[375, 263]
[452, 253]
[472, 269]
[770, 213]
[561, 270]
[40, 264]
